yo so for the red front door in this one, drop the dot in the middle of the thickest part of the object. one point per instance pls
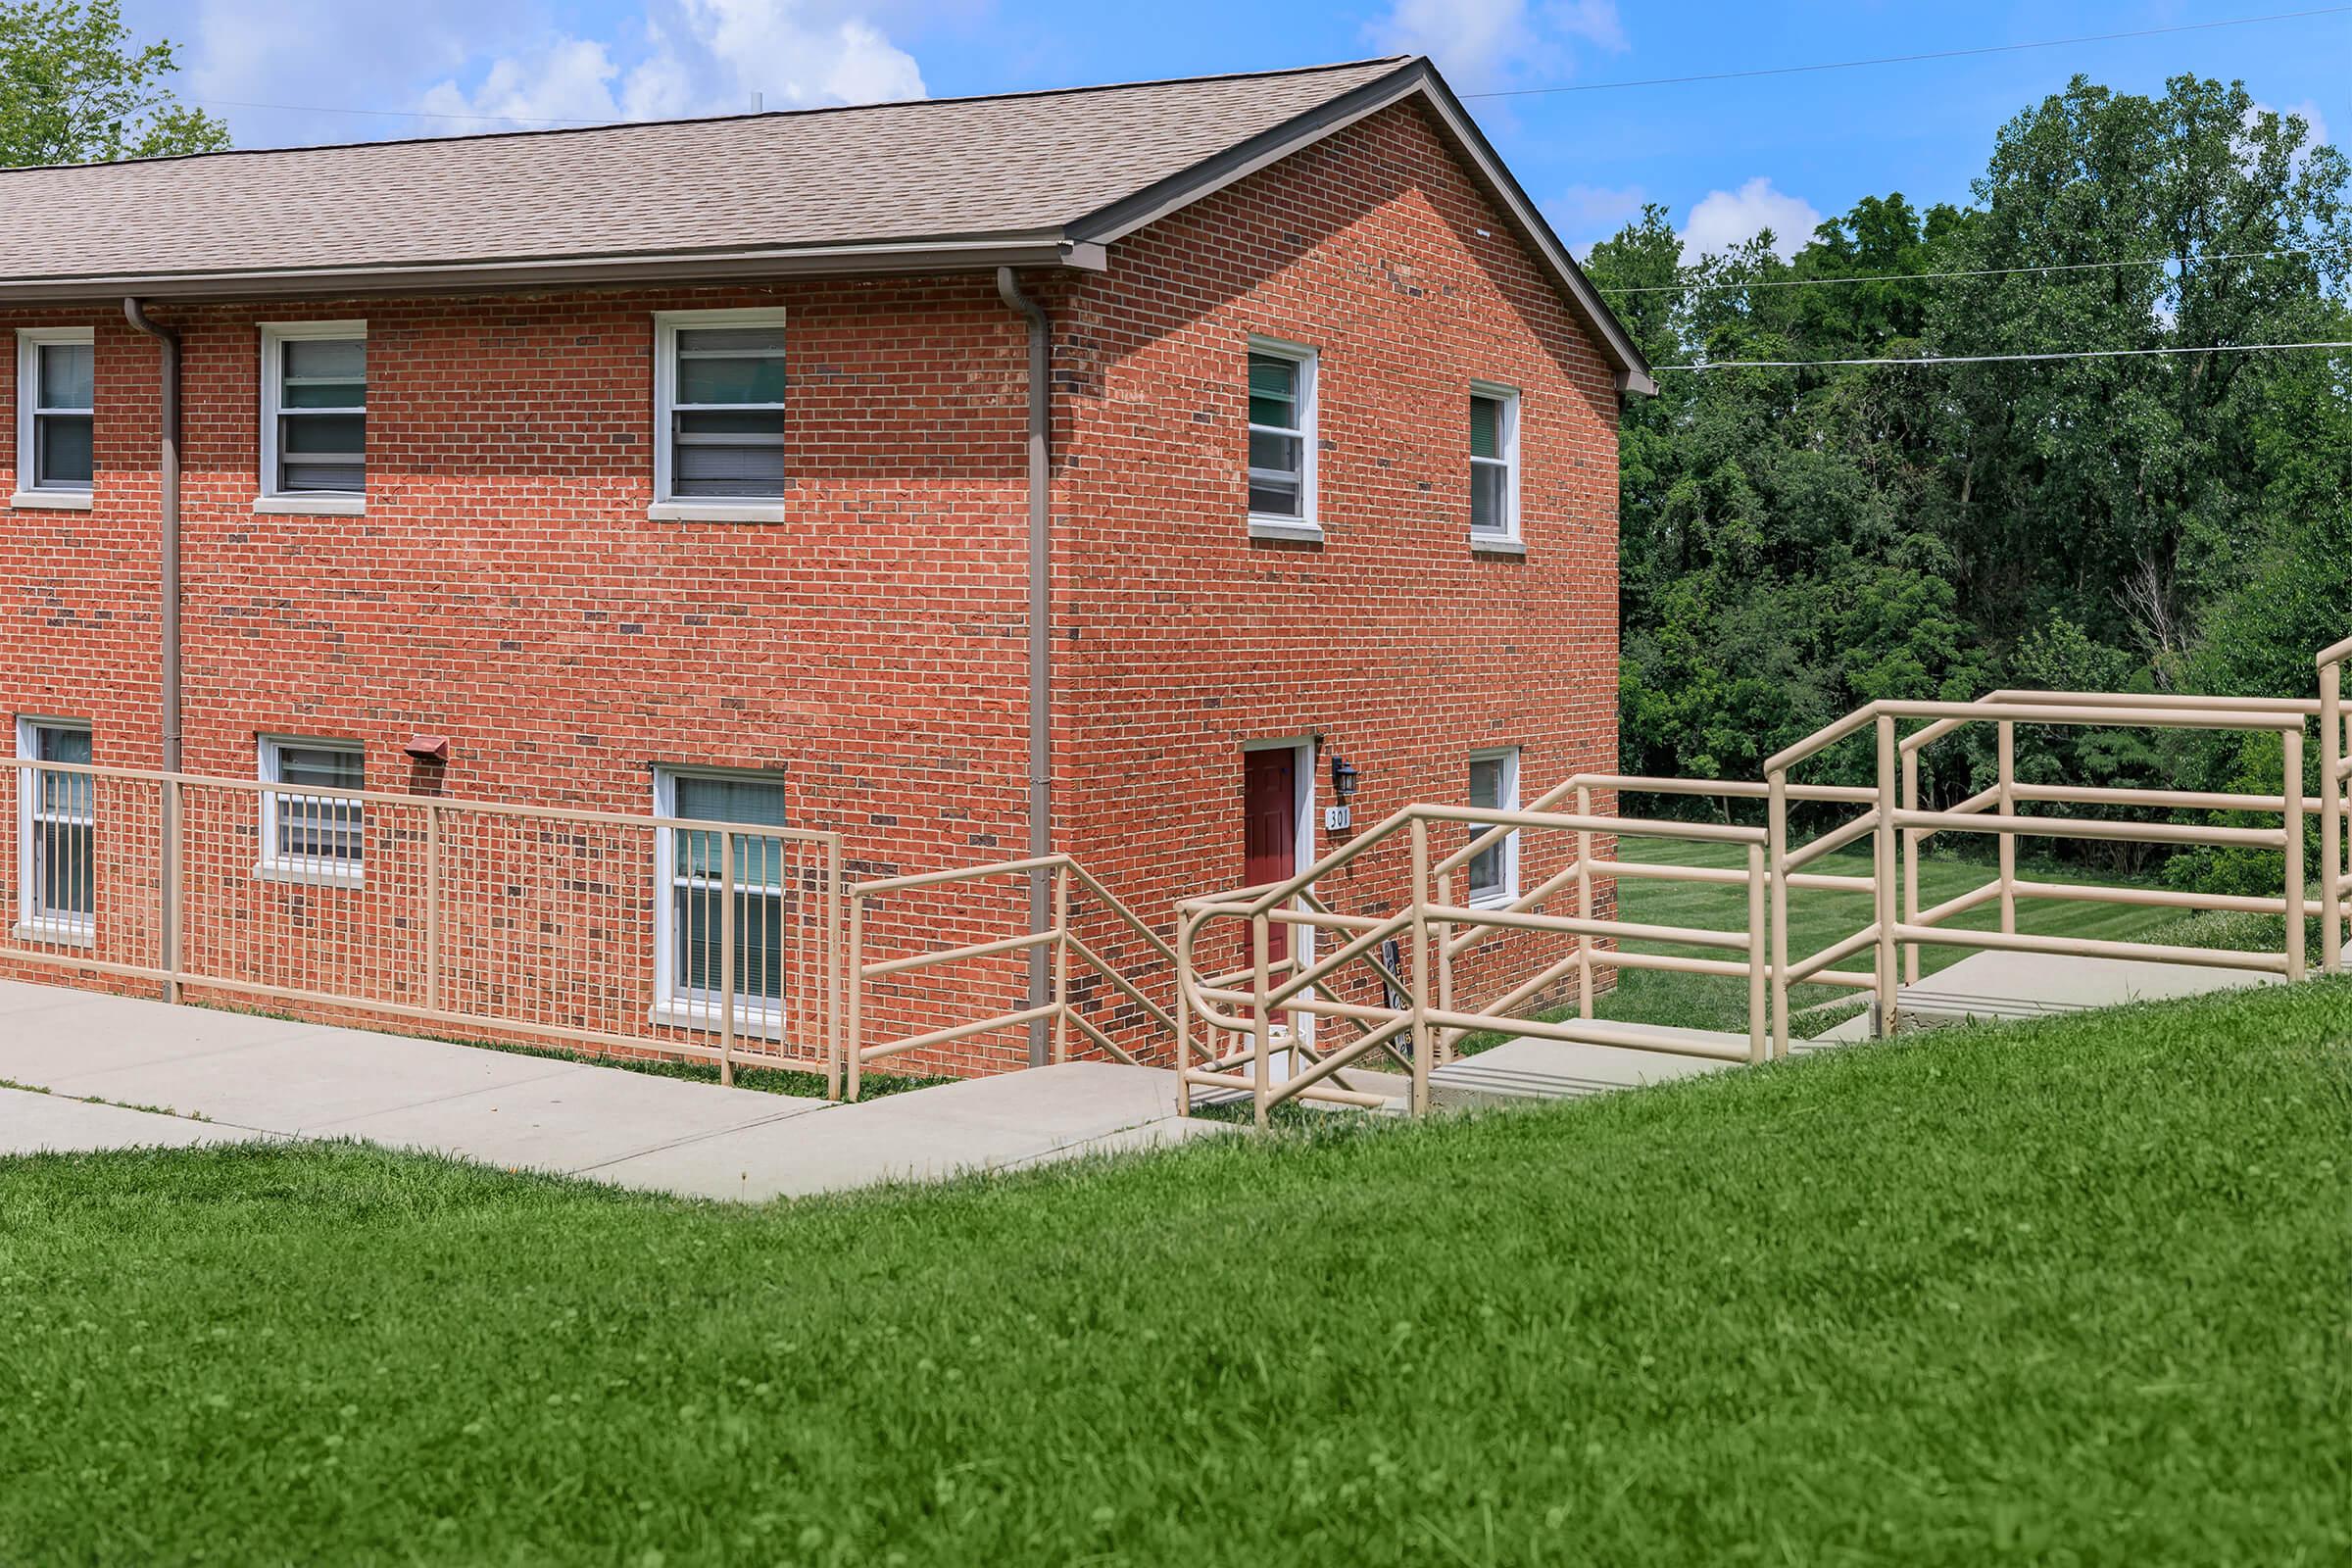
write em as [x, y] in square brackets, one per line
[1270, 825]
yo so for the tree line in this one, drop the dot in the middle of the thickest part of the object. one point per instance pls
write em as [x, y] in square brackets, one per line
[1798, 542]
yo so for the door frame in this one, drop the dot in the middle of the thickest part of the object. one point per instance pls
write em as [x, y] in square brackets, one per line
[1303, 749]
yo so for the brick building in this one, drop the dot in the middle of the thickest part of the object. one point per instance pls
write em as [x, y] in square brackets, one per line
[687, 470]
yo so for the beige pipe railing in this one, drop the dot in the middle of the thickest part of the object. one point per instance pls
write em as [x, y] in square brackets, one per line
[739, 942]
[1436, 931]
[1996, 811]
[546, 925]
[1061, 938]
[2335, 770]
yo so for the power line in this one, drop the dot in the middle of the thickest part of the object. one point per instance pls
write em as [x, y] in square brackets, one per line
[1513, 93]
[1997, 358]
[1905, 60]
[1987, 271]
[400, 114]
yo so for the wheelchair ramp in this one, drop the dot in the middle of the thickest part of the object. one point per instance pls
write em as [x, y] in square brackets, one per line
[1558, 1070]
[2020, 987]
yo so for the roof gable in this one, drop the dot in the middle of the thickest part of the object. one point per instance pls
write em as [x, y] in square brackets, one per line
[1412, 79]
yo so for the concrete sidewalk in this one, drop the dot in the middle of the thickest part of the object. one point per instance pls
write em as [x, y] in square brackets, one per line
[256, 1077]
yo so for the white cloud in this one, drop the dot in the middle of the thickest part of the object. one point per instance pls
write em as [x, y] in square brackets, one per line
[1724, 219]
[1470, 39]
[805, 53]
[1588, 214]
[435, 66]
[2318, 122]
[1594, 20]
[1486, 43]
[701, 56]
[2316, 136]
[569, 79]
[235, 54]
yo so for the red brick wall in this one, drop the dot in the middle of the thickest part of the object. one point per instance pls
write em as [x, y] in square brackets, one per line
[507, 589]
[1183, 639]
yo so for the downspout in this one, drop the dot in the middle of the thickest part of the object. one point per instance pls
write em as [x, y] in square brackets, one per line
[167, 557]
[1041, 642]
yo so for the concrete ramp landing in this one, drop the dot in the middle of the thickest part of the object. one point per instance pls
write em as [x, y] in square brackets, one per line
[1528, 1068]
[1984, 987]
[2020, 987]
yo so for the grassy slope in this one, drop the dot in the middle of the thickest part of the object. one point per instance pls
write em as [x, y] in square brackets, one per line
[2074, 1293]
[1815, 920]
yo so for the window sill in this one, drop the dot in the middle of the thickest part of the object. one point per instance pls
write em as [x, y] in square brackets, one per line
[1288, 529]
[311, 506]
[1494, 901]
[310, 875]
[713, 511]
[1496, 545]
[751, 1023]
[52, 500]
[57, 933]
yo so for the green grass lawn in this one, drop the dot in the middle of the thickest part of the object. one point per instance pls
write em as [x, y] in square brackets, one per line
[1817, 919]
[2068, 1293]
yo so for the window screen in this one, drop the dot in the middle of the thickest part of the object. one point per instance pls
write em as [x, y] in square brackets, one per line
[1278, 394]
[64, 396]
[1490, 456]
[317, 831]
[697, 884]
[322, 417]
[727, 413]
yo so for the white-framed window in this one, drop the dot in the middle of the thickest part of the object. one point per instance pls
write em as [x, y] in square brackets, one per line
[1282, 438]
[55, 412]
[718, 412]
[315, 415]
[1494, 462]
[309, 835]
[1494, 787]
[692, 874]
[55, 833]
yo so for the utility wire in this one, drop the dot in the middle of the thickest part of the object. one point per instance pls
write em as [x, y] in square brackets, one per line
[404, 114]
[1996, 359]
[1987, 271]
[1515, 92]
[1905, 60]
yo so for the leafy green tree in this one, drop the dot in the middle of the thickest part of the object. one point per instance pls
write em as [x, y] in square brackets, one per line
[1795, 542]
[75, 88]
[1773, 571]
[2127, 492]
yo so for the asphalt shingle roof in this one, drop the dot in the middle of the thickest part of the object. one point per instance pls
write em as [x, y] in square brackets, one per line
[929, 168]
[1043, 178]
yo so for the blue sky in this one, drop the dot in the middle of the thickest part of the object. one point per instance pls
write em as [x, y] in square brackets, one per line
[1724, 158]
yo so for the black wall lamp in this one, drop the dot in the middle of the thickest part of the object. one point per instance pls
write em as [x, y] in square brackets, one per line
[1342, 776]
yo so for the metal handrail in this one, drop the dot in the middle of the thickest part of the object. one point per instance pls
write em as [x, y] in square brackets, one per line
[1061, 938]
[2258, 704]
[1439, 928]
[2335, 768]
[391, 798]
[413, 884]
[388, 951]
[1898, 827]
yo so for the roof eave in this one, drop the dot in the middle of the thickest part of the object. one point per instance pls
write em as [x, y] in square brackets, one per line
[1051, 249]
[1416, 76]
